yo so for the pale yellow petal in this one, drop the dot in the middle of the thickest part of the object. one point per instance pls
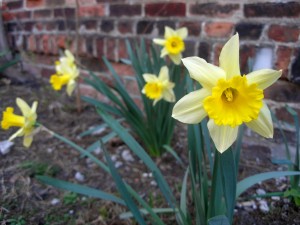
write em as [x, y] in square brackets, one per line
[263, 78]
[169, 32]
[263, 124]
[176, 59]
[27, 140]
[148, 77]
[164, 52]
[189, 109]
[70, 87]
[159, 41]
[182, 32]
[19, 133]
[156, 100]
[169, 95]
[229, 57]
[164, 74]
[222, 136]
[69, 55]
[23, 106]
[205, 73]
[34, 107]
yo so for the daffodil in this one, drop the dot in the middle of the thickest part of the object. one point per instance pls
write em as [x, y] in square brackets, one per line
[66, 73]
[157, 88]
[173, 44]
[228, 98]
[26, 122]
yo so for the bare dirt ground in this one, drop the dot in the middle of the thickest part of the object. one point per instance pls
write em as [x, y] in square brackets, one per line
[25, 200]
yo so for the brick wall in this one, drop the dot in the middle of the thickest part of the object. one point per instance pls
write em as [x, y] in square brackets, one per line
[40, 27]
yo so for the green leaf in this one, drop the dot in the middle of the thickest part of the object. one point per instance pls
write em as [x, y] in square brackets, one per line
[173, 153]
[246, 183]
[128, 215]
[80, 189]
[218, 220]
[183, 204]
[123, 191]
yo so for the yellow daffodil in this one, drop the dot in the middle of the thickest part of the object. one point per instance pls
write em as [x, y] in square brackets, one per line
[173, 44]
[26, 122]
[66, 73]
[159, 87]
[226, 97]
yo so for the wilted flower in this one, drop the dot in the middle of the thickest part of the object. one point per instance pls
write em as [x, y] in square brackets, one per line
[226, 97]
[66, 73]
[173, 43]
[26, 122]
[159, 87]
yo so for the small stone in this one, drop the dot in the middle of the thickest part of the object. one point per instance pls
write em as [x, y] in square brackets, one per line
[263, 206]
[98, 150]
[71, 212]
[126, 155]
[153, 183]
[248, 204]
[79, 176]
[118, 164]
[114, 158]
[55, 201]
[275, 198]
[5, 147]
[260, 191]
[145, 175]
[50, 150]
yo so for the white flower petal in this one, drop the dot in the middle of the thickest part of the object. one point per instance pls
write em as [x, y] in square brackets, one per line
[176, 59]
[182, 32]
[23, 106]
[19, 133]
[205, 73]
[229, 57]
[169, 95]
[164, 52]
[222, 136]
[263, 78]
[164, 74]
[189, 109]
[70, 87]
[27, 140]
[148, 77]
[169, 32]
[263, 124]
[69, 55]
[159, 41]
[34, 107]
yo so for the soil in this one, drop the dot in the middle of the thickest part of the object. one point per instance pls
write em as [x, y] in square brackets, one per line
[25, 200]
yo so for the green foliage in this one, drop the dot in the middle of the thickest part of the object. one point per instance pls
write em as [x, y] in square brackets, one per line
[39, 168]
[16, 221]
[154, 124]
[70, 198]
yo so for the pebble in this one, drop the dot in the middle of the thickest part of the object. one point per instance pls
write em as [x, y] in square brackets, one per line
[263, 206]
[153, 183]
[114, 158]
[260, 191]
[79, 176]
[50, 150]
[275, 198]
[118, 164]
[55, 201]
[98, 150]
[126, 155]
[5, 147]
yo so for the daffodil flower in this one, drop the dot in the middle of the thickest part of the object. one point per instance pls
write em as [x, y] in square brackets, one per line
[173, 44]
[157, 88]
[226, 97]
[66, 73]
[26, 122]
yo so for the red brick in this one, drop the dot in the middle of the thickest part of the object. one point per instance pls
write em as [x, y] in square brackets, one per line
[218, 29]
[204, 50]
[44, 13]
[12, 5]
[123, 69]
[8, 16]
[35, 3]
[272, 9]
[144, 27]
[55, 3]
[283, 60]
[53, 45]
[194, 28]
[92, 11]
[132, 86]
[161, 24]
[165, 9]
[46, 72]
[23, 14]
[246, 52]
[214, 9]
[100, 48]
[284, 33]
[87, 2]
[111, 49]
[61, 41]
[125, 27]
[122, 50]
[125, 10]
[250, 31]
[45, 44]
[31, 43]
[217, 50]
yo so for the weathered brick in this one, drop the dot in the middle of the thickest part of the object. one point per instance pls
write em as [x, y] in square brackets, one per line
[295, 71]
[125, 27]
[89, 24]
[144, 27]
[50, 26]
[217, 50]
[131, 84]
[53, 45]
[247, 52]
[28, 26]
[165, 9]
[125, 10]
[249, 30]
[23, 14]
[204, 50]
[283, 33]
[123, 70]
[12, 5]
[61, 41]
[122, 50]
[45, 44]
[194, 28]
[31, 43]
[87, 2]
[283, 91]
[162, 24]
[92, 11]
[218, 29]
[55, 2]
[47, 72]
[89, 45]
[189, 48]
[100, 47]
[61, 25]
[43, 13]
[111, 49]
[11, 27]
[35, 3]
[109, 1]
[8, 16]
[272, 9]
[283, 60]
[107, 25]
[64, 12]
[214, 9]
